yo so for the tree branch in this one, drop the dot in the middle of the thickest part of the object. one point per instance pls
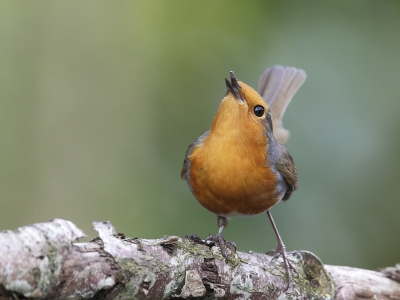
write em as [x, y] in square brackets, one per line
[44, 261]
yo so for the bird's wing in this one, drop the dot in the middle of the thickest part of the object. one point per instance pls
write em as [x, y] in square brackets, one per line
[277, 85]
[186, 162]
[287, 168]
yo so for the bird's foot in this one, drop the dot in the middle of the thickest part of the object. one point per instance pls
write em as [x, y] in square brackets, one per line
[221, 243]
[281, 251]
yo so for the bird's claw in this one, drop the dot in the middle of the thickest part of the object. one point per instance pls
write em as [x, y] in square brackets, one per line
[281, 251]
[223, 245]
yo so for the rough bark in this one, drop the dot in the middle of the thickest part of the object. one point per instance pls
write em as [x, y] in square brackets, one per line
[44, 261]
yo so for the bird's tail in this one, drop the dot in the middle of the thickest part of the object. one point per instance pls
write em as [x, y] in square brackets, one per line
[277, 85]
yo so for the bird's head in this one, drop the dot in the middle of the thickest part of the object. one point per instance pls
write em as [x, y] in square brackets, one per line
[243, 113]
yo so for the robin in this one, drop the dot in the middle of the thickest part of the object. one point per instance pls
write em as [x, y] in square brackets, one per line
[240, 166]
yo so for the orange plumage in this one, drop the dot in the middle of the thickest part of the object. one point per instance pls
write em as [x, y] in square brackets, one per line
[228, 171]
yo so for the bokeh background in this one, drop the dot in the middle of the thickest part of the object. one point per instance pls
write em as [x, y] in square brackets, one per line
[99, 101]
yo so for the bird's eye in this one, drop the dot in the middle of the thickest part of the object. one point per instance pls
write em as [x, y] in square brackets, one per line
[258, 110]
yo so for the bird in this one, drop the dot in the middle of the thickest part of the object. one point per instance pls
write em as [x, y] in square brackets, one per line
[240, 166]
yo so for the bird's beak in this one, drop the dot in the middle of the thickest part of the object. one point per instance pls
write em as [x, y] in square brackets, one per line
[234, 88]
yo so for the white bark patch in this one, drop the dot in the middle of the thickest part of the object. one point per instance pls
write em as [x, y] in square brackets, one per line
[193, 285]
[30, 256]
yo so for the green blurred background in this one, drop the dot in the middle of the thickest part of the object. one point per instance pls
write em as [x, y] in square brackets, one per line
[99, 101]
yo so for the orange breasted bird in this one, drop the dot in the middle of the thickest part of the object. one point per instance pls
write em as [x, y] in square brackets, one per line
[240, 166]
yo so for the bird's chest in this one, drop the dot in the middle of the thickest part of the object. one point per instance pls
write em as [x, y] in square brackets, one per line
[234, 179]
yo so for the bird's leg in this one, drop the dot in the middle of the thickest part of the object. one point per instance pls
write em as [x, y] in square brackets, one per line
[281, 250]
[222, 243]
[219, 239]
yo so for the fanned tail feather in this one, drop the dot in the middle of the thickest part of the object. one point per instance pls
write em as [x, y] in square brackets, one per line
[277, 85]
